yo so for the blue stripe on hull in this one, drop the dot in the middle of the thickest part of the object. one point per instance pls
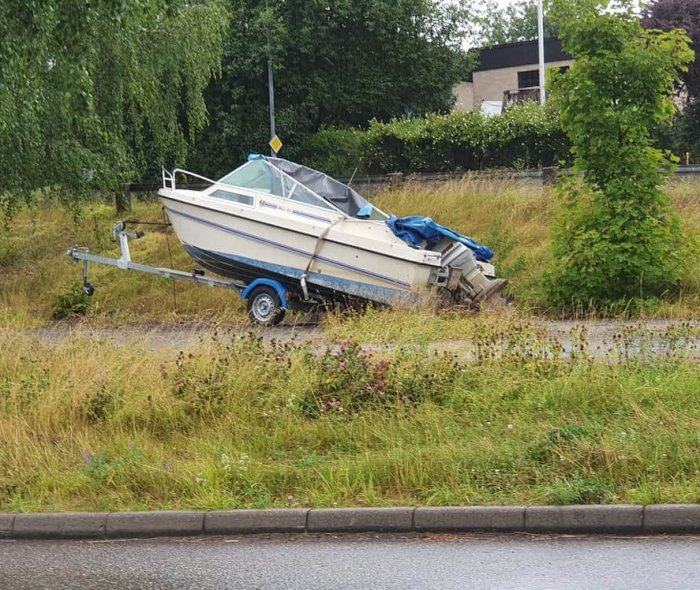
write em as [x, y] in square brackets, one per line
[248, 269]
[288, 248]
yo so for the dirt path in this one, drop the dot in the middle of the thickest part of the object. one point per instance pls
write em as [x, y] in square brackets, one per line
[597, 338]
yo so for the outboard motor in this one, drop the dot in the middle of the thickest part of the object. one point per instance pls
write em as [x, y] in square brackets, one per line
[461, 271]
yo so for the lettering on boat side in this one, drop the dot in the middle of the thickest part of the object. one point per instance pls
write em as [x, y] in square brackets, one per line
[264, 203]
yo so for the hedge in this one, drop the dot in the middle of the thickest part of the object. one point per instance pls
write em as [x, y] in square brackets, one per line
[526, 136]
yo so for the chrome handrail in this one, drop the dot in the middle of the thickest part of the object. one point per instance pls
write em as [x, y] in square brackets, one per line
[169, 177]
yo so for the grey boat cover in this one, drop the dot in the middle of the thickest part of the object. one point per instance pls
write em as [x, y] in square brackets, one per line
[418, 232]
[342, 196]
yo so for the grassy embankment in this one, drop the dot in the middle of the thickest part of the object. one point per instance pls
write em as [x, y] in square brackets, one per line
[511, 218]
[90, 425]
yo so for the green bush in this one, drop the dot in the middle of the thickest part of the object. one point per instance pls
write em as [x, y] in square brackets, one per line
[618, 237]
[526, 136]
[70, 303]
[337, 152]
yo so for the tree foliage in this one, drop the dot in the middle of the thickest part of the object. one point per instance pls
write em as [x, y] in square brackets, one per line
[617, 237]
[93, 91]
[509, 24]
[336, 62]
[684, 136]
[678, 14]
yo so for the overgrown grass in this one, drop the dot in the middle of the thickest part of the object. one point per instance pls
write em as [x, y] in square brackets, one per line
[513, 218]
[41, 283]
[235, 423]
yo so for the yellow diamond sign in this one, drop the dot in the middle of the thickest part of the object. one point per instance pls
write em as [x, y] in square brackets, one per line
[276, 144]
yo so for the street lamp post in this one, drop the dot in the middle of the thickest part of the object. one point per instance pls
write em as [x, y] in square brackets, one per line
[540, 33]
[270, 89]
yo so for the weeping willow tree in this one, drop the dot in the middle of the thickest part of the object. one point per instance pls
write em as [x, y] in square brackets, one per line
[92, 92]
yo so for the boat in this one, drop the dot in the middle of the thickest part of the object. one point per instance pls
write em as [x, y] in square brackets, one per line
[314, 240]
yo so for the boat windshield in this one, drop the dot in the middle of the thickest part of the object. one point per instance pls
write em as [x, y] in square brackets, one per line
[256, 175]
[259, 175]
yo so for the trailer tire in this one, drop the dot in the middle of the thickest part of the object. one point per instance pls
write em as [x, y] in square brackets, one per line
[264, 306]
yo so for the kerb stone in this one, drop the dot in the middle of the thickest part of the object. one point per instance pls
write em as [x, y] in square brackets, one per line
[672, 518]
[584, 519]
[155, 524]
[60, 525]
[255, 521]
[6, 522]
[346, 520]
[470, 518]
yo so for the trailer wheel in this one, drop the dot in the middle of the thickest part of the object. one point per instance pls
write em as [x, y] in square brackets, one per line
[264, 306]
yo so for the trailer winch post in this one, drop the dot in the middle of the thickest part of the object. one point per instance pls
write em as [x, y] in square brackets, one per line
[125, 259]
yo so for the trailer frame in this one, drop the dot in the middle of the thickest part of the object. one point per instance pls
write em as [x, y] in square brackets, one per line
[267, 299]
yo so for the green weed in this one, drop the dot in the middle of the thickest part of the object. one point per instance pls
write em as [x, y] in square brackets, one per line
[238, 422]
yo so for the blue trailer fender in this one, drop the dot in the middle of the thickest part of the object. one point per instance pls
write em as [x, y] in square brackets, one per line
[276, 285]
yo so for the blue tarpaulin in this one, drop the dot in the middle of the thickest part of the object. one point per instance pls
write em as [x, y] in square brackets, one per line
[423, 232]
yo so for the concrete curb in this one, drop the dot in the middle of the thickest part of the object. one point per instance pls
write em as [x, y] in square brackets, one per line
[584, 519]
[237, 522]
[467, 519]
[80, 525]
[360, 520]
[589, 519]
[672, 518]
[154, 524]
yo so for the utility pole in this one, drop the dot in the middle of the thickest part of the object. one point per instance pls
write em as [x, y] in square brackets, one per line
[540, 32]
[270, 88]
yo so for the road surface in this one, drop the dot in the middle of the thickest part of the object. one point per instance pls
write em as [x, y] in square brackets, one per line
[376, 562]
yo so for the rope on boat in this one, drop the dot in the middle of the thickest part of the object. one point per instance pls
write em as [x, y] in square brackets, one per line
[170, 253]
[320, 239]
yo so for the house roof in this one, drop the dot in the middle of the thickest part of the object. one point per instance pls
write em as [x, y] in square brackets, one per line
[520, 54]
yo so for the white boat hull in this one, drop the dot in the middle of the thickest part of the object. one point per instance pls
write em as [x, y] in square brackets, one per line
[337, 256]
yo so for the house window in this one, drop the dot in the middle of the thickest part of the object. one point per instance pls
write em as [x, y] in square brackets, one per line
[528, 79]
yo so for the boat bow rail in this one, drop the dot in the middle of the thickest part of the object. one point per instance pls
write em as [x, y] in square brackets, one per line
[170, 178]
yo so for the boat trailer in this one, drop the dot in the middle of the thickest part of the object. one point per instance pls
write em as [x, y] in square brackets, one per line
[267, 299]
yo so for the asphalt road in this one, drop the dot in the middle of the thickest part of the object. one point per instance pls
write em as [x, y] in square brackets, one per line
[405, 562]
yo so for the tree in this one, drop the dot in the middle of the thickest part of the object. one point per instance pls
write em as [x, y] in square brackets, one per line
[678, 14]
[617, 237]
[681, 14]
[92, 92]
[515, 22]
[336, 62]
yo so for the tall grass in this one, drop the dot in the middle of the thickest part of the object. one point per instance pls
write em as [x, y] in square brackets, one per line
[513, 218]
[235, 423]
[40, 281]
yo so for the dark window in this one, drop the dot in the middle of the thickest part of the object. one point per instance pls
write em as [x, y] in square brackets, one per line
[529, 79]
[231, 196]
